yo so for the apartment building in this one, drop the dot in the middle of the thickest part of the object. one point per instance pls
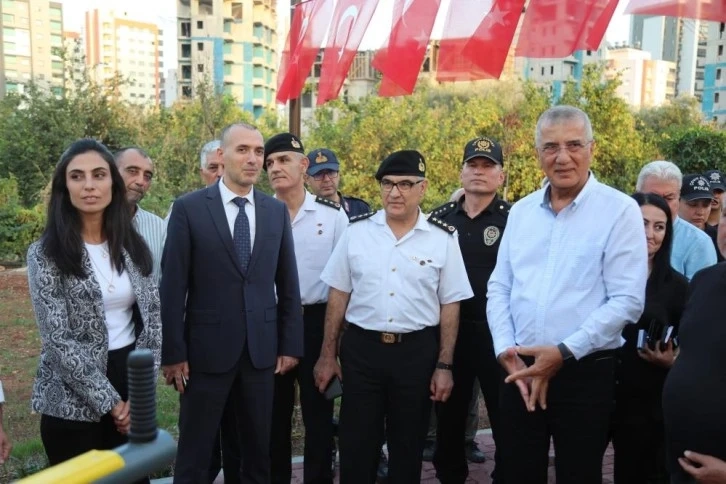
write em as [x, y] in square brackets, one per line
[31, 31]
[713, 101]
[116, 44]
[644, 82]
[231, 46]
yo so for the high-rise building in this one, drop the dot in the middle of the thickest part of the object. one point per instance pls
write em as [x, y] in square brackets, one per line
[678, 40]
[74, 58]
[555, 73]
[31, 29]
[713, 101]
[644, 82]
[231, 46]
[117, 45]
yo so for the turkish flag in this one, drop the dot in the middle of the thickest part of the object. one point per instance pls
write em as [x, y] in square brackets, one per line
[714, 10]
[476, 39]
[559, 28]
[307, 31]
[350, 21]
[400, 60]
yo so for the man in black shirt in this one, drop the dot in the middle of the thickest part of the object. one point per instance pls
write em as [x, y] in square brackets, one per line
[480, 217]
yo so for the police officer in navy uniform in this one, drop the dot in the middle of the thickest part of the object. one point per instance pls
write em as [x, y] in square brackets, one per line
[395, 277]
[479, 216]
[317, 226]
[324, 178]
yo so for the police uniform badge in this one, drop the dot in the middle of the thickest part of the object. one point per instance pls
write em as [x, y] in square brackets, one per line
[491, 235]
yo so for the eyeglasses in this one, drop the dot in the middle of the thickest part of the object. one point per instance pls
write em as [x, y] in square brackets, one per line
[403, 186]
[320, 176]
[570, 146]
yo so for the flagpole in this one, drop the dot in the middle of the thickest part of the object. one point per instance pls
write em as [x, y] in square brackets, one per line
[294, 104]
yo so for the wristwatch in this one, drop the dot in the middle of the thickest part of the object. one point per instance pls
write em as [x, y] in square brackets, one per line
[440, 365]
[567, 356]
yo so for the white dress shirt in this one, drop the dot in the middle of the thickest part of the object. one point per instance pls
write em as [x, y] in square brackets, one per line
[231, 210]
[316, 230]
[397, 286]
[576, 277]
[153, 230]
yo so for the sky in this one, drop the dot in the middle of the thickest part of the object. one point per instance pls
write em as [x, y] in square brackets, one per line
[163, 13]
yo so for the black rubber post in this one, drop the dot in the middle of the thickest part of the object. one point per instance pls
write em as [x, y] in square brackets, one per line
[142, 395]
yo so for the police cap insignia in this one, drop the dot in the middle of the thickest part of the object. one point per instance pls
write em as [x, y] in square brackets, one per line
[321, 158]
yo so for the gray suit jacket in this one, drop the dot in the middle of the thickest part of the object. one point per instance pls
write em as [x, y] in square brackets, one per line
[71, 381]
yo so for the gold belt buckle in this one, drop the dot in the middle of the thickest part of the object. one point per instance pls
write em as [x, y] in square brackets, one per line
[388, 338]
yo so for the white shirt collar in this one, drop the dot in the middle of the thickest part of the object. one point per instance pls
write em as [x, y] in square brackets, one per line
[228, 195]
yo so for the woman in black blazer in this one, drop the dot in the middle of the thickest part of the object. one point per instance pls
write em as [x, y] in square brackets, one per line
[638, 422]
[94, 302]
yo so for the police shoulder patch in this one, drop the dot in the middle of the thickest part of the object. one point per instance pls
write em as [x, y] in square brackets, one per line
[443, 210]
[441, 224]
[327, 202]
[363, 216]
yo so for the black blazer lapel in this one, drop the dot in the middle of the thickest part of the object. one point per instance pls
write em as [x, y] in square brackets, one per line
[261, 227]
[219, 217]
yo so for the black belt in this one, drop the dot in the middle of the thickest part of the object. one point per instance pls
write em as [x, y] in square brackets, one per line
[390, 338]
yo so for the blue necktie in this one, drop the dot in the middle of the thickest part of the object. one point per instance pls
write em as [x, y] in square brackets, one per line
[242, 242]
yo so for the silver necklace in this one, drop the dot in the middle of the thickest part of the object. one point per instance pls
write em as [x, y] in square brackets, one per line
[104, 253]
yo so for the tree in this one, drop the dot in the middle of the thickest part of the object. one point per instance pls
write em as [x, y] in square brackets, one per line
[620, 149]
[696, 149]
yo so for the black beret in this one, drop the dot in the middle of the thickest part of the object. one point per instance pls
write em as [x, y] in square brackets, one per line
[282, 142]
[406, 162]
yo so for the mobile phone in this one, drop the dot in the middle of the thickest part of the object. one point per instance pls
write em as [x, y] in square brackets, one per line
[184, 383]
[642, 340]
[334, 388]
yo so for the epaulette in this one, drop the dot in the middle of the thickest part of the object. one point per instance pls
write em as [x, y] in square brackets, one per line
[362, 216]
[441, 224]
[327, 202]
[443, 210]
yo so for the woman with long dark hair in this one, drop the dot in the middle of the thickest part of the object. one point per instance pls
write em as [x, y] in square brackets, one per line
[94, 302]
[638, 421]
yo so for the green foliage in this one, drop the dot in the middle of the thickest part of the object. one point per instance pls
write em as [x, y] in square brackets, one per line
[620, 149]
[19, 226]
[696, 149]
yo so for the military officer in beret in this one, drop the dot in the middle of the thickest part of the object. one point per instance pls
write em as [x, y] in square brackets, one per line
[479, 216]
[324, 177]
[396, 277]
[317, 226]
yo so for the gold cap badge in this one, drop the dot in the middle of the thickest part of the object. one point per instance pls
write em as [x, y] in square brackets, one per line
[421, 165]
[321, 158]
[483, 145]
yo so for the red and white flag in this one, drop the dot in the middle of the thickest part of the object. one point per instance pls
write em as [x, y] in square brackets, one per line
[559, 28]
[350, 21]
[476, 39]
[399, 61]
[307, 32]
[714, 10]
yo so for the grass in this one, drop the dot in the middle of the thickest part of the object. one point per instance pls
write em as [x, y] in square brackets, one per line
[19, 350]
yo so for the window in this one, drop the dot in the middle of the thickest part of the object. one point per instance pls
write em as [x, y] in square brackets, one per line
[716, 98]
[227, 27]
[200, 67]
[200, 46]
[10, 60]
[186, 92]
[552, 70]
[720, 50]
[589, 53]
[56, 25]
[11, 4]
[200, 24]
[227, 49]
[542, 70]
[186, 29]
[718, 74]
[228, 69]
[186, 72]
[237, 11]
[186, 50]
[8, 18]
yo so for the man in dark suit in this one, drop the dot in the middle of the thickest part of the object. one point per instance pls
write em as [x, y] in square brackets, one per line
[231, 310]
